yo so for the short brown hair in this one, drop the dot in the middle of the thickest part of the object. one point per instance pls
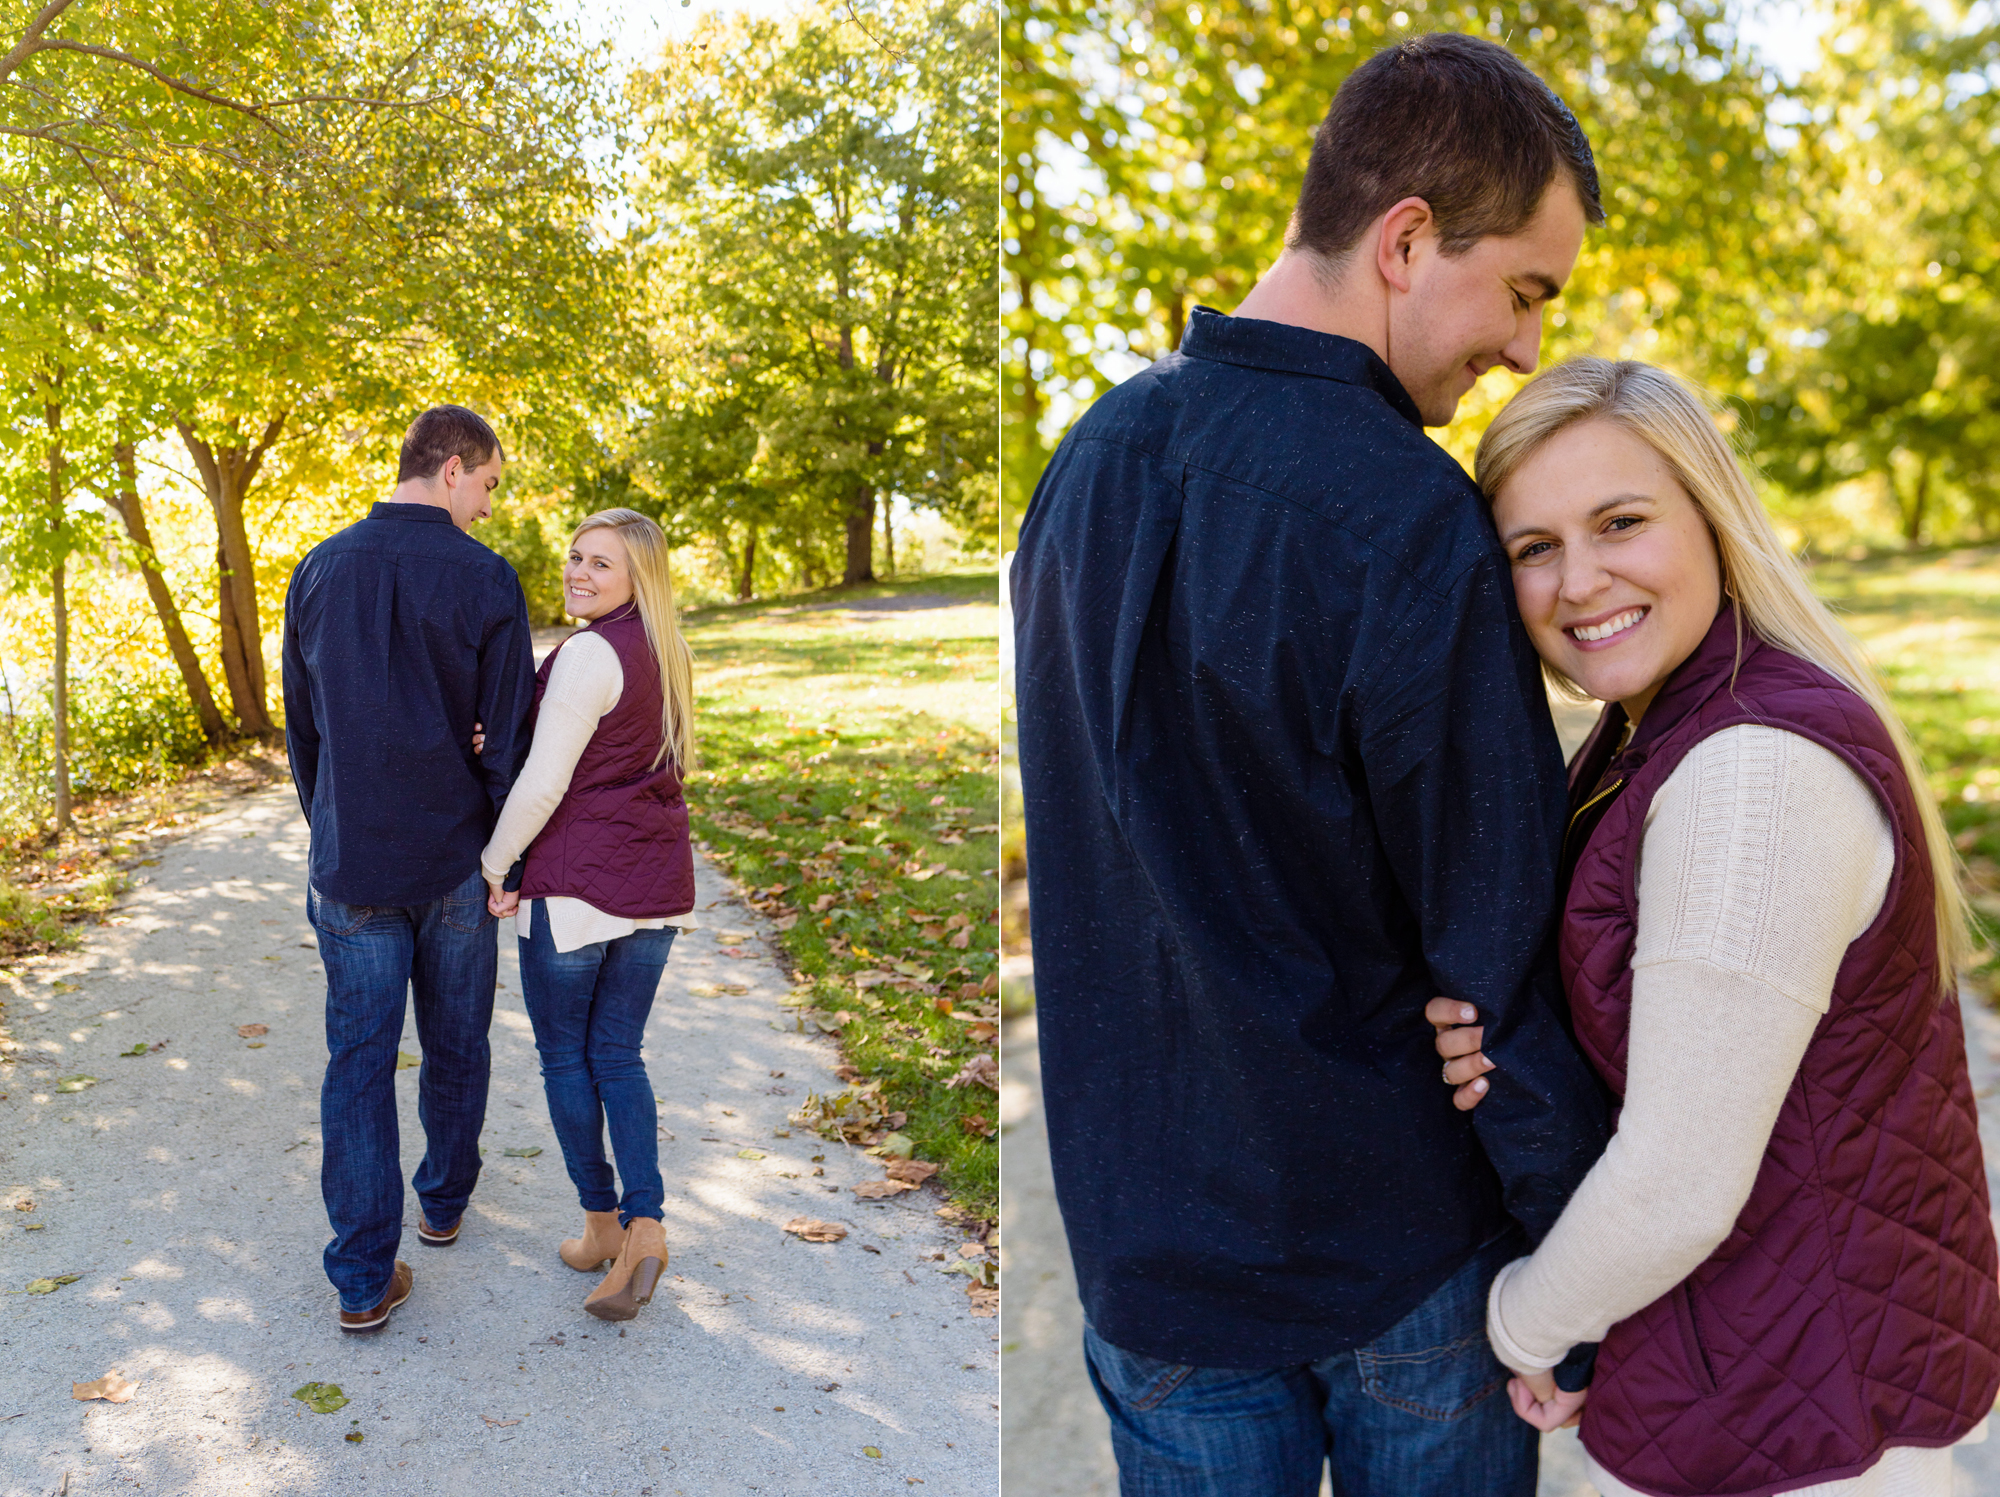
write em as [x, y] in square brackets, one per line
[1455, 120]
[441, 433]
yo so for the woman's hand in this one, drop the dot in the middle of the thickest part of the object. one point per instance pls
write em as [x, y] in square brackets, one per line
[501, 902]
[1458, 1040]
[1538, 1400]
[479, 738]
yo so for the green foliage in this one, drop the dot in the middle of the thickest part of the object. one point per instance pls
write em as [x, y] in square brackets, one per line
[868, 833]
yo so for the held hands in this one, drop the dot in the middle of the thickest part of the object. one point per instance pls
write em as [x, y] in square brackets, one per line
[479, 738]
[1458, 1041]
[501, 902]
[1538, 1400]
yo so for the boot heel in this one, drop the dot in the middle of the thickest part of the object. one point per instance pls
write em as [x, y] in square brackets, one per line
[644, 1278]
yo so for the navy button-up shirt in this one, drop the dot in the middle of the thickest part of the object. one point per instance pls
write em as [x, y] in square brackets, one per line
[401, 632]
[1289, 773]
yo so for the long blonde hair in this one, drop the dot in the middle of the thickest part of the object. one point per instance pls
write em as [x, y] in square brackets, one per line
[653, 590]
[1769, 586]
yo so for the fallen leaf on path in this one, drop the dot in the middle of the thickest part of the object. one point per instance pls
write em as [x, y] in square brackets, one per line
[138, 1049]
[717, 989]
[50, 1286]
[519, 1153]
[75, 1083]
[916, 1171]
[749, 1154]
[984, 1302]
[252, 1031]
[492, 1423]
[254, 1045]
[112, 1388]
[733, 937]
[871, 1452]
[971, 1250]
[879, 1190]
[355, 1437]
[895, 1145]
[321, 1398]
[981, 1070]
[405, 1060]
[813, 1230]
[24, 1205]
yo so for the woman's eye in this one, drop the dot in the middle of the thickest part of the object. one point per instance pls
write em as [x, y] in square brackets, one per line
[1623, 522]
[1533, 549]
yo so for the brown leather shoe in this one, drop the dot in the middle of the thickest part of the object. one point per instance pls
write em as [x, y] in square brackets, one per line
[400, 1283]
[642, 1258]
[432, 1236]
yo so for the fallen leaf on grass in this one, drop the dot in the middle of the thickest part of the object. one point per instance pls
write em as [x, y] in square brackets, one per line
[519, 1153]
[960, 941]
[981, 1031]
[50, 1286]
[784, 922]
[252, 1031]
[977, 1123]
[824, 903]
[879, 1190]
[916, 1171]
[75, 1083]
[872, 979]
[813, 1230]
[981, 1070]
[321, 1398]
[405, 1060]
[895, 1145]
[112, 1388]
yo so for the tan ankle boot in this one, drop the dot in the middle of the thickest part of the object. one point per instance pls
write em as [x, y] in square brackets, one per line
[630, 1283]
[601, 1240]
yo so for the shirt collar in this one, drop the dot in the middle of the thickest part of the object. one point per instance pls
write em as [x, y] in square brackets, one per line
[1285, 349]
[397, 509]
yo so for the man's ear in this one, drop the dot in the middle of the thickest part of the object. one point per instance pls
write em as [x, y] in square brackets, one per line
[1401, 227]
[452, 471]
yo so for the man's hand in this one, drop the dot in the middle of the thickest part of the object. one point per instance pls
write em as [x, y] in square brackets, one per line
[501, 902]
[1458, 1040]
[1538, 1400]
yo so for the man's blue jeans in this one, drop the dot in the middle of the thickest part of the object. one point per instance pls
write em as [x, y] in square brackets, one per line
[446, 953]
[589, 1009]
[1421, 1411]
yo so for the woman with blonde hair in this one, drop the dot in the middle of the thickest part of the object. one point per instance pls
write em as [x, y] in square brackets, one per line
[1786, 1251]
[607, 881]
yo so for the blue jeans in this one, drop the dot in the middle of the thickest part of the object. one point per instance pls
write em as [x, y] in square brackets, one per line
[446, 953]
[589, 1009]
[1421, 1411]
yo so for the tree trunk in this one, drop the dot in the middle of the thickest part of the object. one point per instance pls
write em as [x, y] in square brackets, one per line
[227, 472]
[888, 539]
[861, 537]
[64, 821]
[1913, 516]
[59, 601]
[746, 579]
[134, 515]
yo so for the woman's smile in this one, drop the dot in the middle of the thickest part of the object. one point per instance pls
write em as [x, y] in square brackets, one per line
[1605, 632]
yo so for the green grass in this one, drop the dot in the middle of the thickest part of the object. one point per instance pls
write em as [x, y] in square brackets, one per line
[848, 782]
[1932, 622]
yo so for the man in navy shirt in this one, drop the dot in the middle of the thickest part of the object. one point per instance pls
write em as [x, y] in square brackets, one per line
[402, 633]
[1290, 772]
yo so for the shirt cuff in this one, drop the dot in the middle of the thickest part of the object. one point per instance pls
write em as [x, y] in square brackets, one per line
[1504, 1346]
[489, 873]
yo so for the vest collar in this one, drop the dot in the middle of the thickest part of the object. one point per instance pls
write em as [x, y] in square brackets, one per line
[1693, 682]
[617, 615]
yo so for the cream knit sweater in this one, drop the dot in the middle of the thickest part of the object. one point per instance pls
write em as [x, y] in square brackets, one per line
[585, 683]
[1764, 855]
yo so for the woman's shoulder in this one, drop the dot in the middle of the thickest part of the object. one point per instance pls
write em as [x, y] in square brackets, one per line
[586, 668]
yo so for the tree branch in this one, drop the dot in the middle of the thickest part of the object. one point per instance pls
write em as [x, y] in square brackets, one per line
[27, 44]
[111, 54]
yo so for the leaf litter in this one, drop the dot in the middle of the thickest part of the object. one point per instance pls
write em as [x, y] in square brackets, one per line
[810, 1229]
[112, 1388]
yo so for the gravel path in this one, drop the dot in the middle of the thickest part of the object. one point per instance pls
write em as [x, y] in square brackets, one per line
[184, 1188]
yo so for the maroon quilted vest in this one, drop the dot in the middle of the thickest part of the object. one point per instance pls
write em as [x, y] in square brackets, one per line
[618, 840]
[1853, 1306]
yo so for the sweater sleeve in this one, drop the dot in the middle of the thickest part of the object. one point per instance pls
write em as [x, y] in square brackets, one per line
[1764, 856]
[585, 682]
